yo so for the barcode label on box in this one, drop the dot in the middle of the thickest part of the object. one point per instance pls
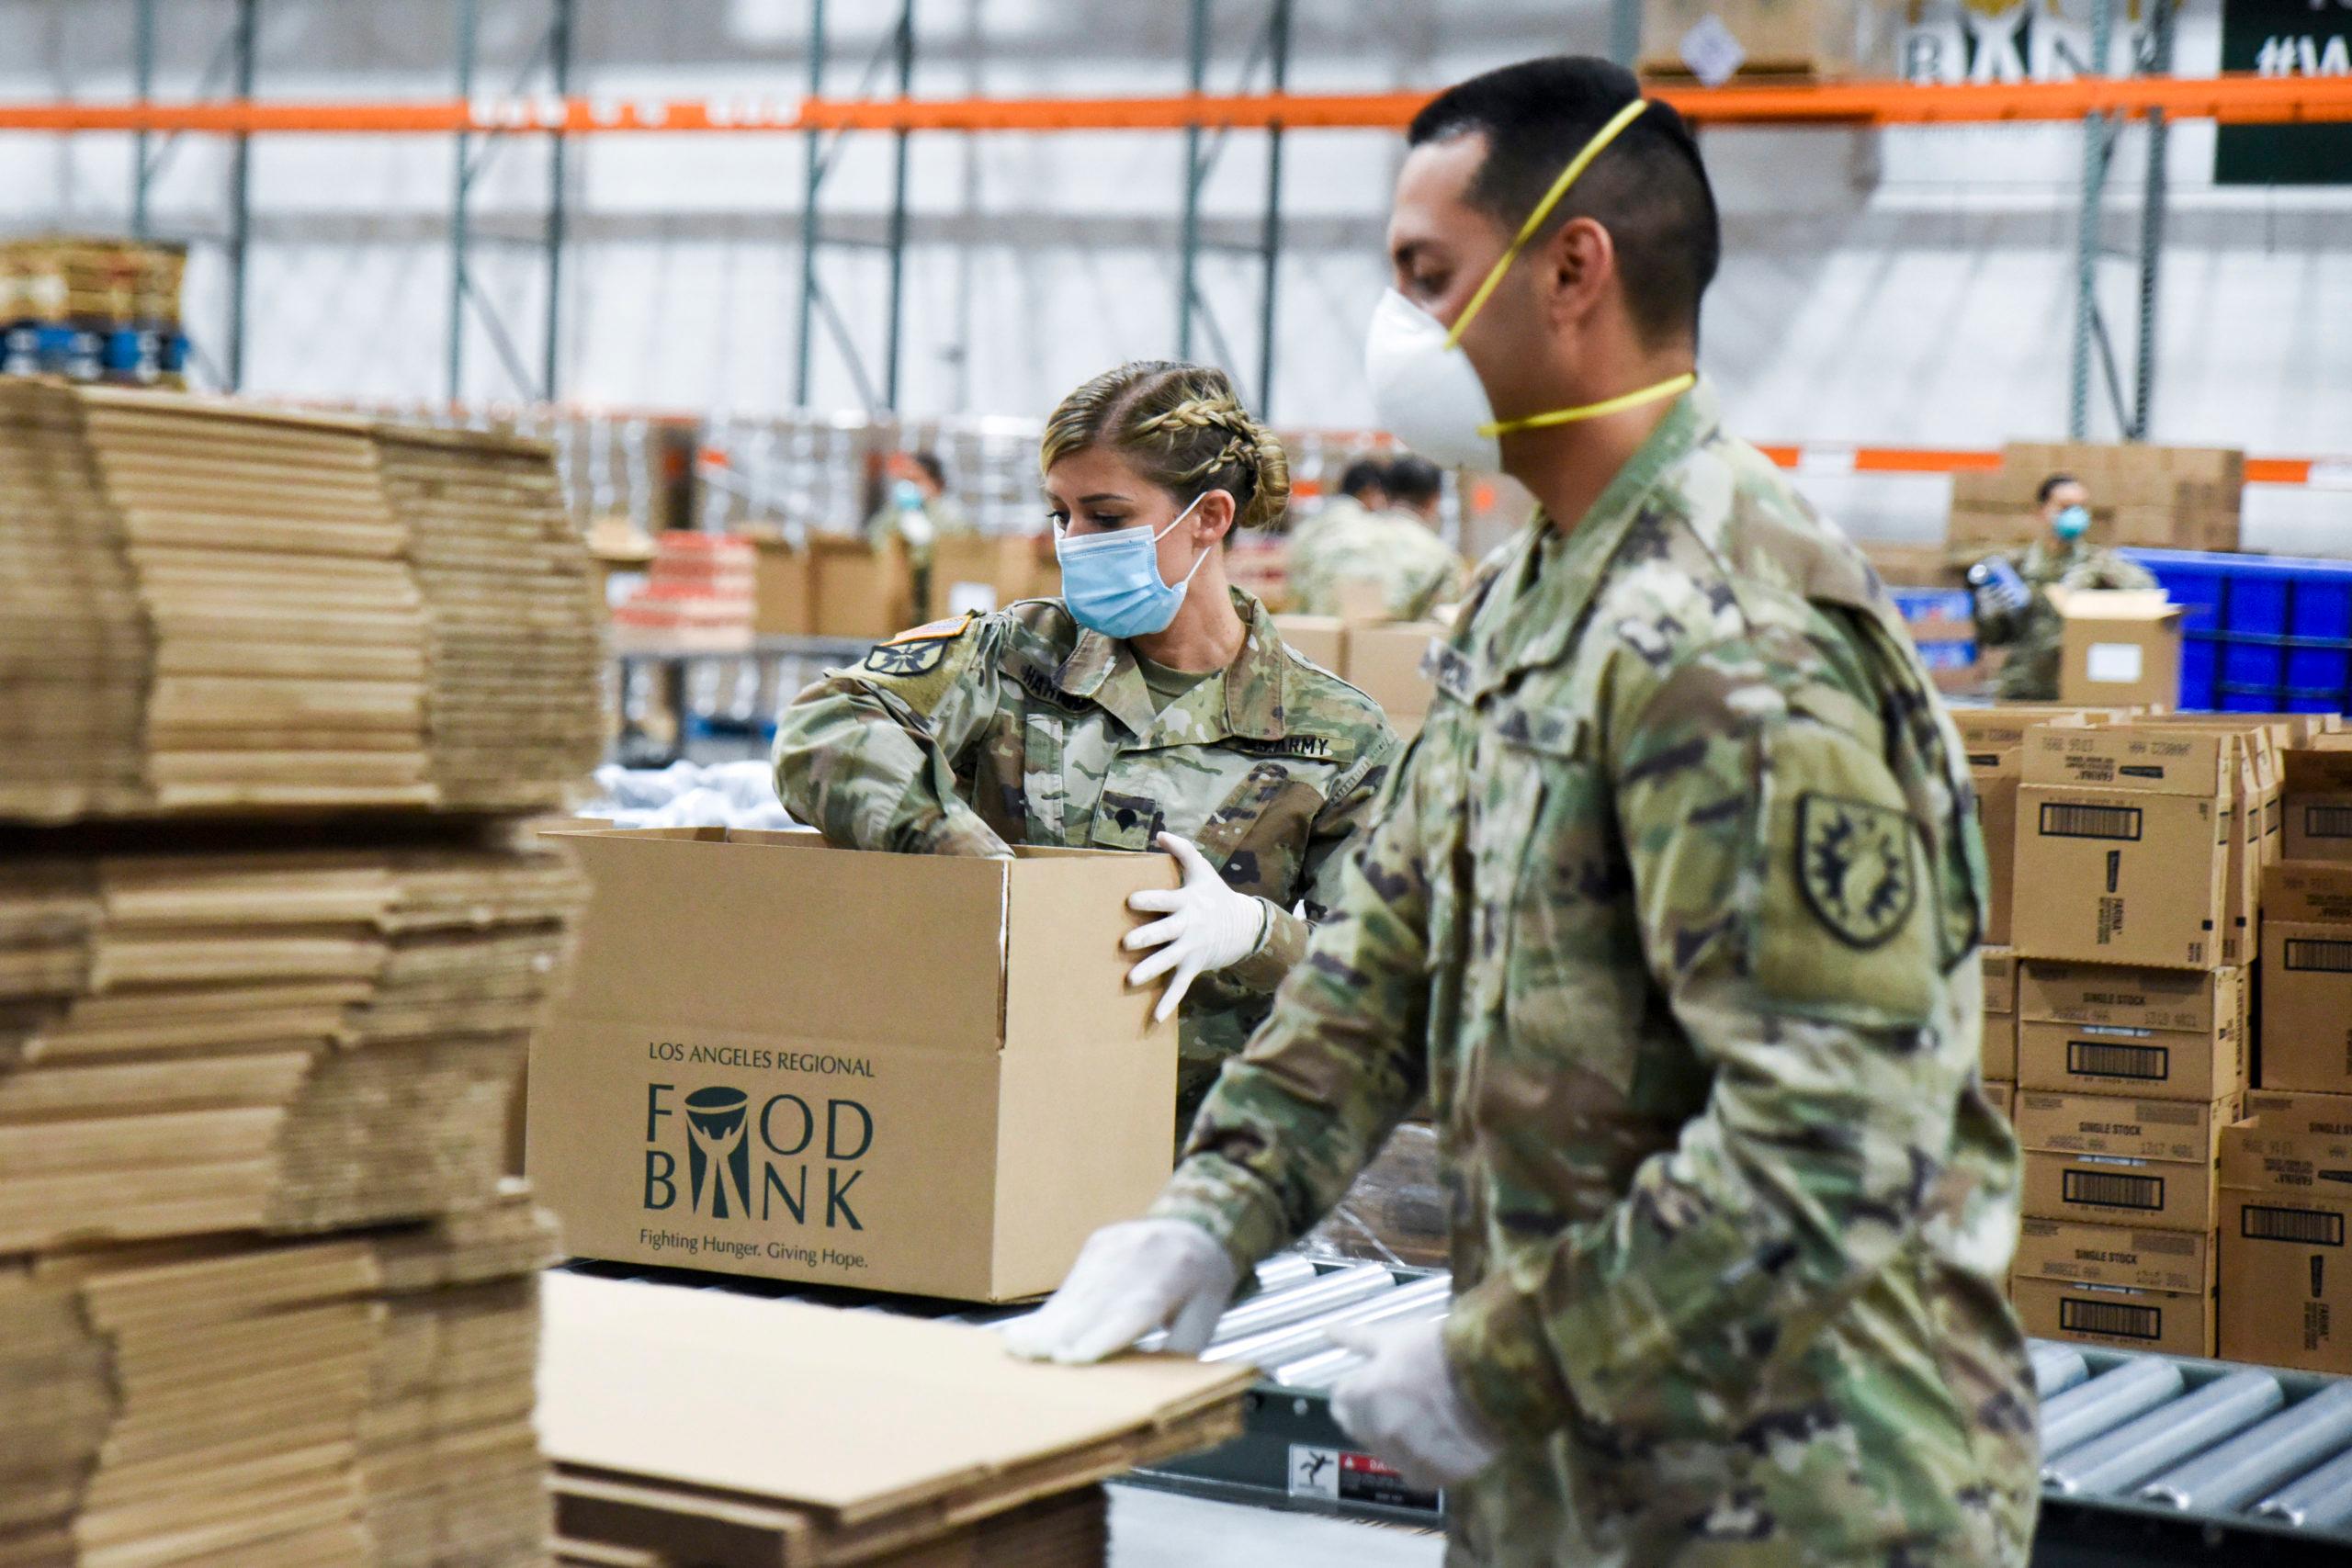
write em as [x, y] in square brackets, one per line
[2305, 1227]
[2165, 1242]
[2122, 1319]
[2110, 1190]
[2067, 819]
[2328, 821]
[2108, 1059]
[2325, 954]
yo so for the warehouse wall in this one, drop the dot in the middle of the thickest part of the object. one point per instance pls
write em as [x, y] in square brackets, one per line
[1913, 287]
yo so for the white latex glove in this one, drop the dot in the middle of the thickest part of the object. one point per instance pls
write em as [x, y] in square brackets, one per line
[1209, 926]
[1403, 1406]
[916, 527]
[1129, 1279]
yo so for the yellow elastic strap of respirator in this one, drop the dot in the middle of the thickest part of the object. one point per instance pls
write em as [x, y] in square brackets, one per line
[1673, 387]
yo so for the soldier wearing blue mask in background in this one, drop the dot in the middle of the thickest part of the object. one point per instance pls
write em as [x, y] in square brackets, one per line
[2013, 607]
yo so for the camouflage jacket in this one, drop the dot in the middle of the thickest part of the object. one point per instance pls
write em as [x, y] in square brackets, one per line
[948, 520]
[1020, 727]
[2035, 635]
[1672, 911]
[1394, 553]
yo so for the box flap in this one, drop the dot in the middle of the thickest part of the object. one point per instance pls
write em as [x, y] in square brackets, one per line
[777, 934]
[852, 1413]
[1065, 914]
[2005, 727]
[2312, 892]
[2122, 605]
[2192, 1000]
[2302, 1113]
[2136, 757]
[1995, 765]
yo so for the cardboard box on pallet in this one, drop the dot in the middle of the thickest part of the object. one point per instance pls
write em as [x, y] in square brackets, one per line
[2123, 835]
[2316, 799]
[2150, 1290]
[2000, 1054]
[909, 1073]
[2145, 1033]
[2286, 1207]
[2307, 976]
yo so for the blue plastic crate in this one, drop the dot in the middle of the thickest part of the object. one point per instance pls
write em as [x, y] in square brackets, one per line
[2261, 634]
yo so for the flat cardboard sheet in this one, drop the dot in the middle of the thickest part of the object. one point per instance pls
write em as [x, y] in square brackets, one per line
[853, 1413]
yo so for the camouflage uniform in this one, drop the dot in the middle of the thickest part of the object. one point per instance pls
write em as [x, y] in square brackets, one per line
[1411, 565]
[1672, 911]
[2033, 635]
[1021, 727]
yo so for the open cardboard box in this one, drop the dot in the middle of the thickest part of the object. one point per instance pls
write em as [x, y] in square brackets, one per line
[911, 1073]
[2118, 646]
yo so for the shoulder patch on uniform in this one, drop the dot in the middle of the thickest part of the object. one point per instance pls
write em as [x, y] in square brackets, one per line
[935, 631]
[902, 658]
[1855, 866]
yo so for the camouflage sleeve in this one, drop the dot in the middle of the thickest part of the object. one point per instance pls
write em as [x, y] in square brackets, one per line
[867, 756]
[1345, 810]
[1778, 882]
[1336, 1066]
[2111, 569]
[1997, 624]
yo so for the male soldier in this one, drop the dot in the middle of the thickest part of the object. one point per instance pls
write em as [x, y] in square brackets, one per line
[2013, 607]
[1672, 912]
[1395, 556]
[1363, 490]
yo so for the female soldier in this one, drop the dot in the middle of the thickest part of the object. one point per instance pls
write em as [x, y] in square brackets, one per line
[1152, 704]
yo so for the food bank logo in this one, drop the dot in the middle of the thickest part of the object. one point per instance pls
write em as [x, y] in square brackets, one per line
[782, 1158]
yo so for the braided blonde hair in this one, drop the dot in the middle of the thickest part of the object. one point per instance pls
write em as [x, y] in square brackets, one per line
[1184, 429]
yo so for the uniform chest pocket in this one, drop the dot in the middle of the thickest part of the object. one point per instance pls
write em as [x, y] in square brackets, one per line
[1125, 818]
[1528, 760]
[1257, 835]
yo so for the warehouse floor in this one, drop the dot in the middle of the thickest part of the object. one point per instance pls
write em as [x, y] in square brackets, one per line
[1159, 1529]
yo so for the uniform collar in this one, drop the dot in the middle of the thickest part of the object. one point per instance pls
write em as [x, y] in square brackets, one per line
[1103, 670]
[1548, 580]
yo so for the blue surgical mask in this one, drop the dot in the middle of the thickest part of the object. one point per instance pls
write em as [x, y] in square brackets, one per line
[2072, 523]
[1111, 580]
[908, 494]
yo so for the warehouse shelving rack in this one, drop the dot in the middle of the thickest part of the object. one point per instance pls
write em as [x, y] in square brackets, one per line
[2103, 103]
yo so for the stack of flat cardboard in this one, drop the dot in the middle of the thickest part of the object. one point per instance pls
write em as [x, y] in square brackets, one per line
[214, 1040]
[354, 1400]
[218, 608]
[516, 665]
[725, 1431]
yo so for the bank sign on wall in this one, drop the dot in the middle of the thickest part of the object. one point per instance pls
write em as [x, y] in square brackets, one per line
[1987, 41]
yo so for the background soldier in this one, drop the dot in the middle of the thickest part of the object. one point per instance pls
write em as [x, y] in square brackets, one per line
[2013, 607]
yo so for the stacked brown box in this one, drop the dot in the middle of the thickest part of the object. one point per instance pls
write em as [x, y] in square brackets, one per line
[2307, 977]
[2316, 790]
[1385, 660]
[2000, 1055]
[2165, 497]
[2286, 1206]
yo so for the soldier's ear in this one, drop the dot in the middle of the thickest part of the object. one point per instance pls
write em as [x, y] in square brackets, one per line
[1213, 519]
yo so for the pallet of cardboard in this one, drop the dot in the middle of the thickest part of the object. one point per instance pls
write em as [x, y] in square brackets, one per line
[733, 1431]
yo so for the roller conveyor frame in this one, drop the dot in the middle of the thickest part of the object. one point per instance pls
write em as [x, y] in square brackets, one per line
[1293, 1455]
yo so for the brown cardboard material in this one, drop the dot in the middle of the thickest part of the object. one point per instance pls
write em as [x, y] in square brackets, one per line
[2178, 1261]
[1996, 775]
[2299, 1114]
[2129, 1129]
[1322, 638]
[2119, 647]
[2316, 787]
[2102, 1189]
[859, 592]
[2145, 1033]
[2176, 1324]
[2000, 1053]
[2004, 726]
[943, 1090]
[1385, 664]
[2123, 835]
[2004, 1096]
[2307, 977]
[783, 593]
[982, 572]
[2286, 1279]
[880, 1430]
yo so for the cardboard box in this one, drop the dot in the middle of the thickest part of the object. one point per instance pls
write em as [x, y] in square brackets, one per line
[2287, 1279]
[1385, 664]
[2106, 1190]
[981, 572]
[2180, 1262]
[2253, 827]
[897, 1071]
[2317, 804]
[2307, 977]
[2119, 647]
[2000, 1054]
[2004, 1096]
[2003, 726]
[1323, 639]
[2142, 1033]
[2174, 1322]
[1812, 38]
[2172, 1130]
[2124, 837]
[1996, 775]
[783, 592]
[859, 593]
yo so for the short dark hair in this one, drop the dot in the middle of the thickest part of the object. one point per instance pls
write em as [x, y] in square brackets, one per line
[1648, 187]
[2050, 487]
[1415, 481]
[1364, 474]
[930, 463]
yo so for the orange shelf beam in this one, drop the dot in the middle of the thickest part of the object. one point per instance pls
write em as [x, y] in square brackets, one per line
[2237, 100]
[1830, 459]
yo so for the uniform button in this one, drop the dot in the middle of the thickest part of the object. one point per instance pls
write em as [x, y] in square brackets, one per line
[1127, 816]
